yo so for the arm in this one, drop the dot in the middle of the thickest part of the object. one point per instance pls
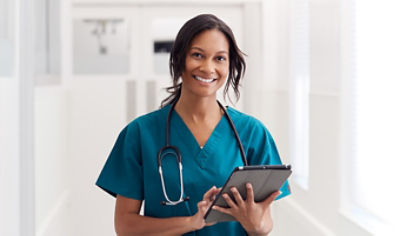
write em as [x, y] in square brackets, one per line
[129, 222]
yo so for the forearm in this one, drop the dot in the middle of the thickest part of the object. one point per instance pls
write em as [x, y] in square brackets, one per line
[264, 227]
[259, 232]
[134, 224]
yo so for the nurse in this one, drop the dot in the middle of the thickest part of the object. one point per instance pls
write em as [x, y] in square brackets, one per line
[204, 58]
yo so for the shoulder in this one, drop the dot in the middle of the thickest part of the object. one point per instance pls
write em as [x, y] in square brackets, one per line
[250, 129]
[245, 121]
[258, 143]
[149, 121]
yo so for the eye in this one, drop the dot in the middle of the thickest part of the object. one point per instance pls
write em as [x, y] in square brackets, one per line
[221, 58]
[197, 55]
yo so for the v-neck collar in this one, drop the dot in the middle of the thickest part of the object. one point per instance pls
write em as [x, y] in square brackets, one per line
[190, 141]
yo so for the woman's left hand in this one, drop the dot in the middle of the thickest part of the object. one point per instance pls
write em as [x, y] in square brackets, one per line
[255, 217]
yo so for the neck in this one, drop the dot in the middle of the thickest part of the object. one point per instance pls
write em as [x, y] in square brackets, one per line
[198, 109]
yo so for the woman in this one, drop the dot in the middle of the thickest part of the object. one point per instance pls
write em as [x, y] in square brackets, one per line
[203, 57]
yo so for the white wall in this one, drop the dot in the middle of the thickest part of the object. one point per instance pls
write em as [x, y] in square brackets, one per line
[52, 190]
[9, 125]
[95, 111]
[97, 114]
[9, 157]
[76, 127]
[16, 116]
[78, 121]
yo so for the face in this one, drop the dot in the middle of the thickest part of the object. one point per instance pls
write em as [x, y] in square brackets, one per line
[206, 64]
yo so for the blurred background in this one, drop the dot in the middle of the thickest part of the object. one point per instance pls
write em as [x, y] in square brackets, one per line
[323, 76]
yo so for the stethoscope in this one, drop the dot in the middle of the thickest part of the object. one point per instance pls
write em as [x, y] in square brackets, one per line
[169, 149]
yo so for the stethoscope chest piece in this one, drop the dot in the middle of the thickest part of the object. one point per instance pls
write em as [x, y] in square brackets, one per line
[173, 150]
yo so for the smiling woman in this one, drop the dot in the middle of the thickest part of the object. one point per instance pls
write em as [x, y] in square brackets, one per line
[207, 66]
[198, 131]
[186, 48]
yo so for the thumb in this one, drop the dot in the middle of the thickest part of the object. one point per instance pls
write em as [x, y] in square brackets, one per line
[201, 206]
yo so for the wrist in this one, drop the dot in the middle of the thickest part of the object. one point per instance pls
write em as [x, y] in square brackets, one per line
[192, 223]
[258, 233]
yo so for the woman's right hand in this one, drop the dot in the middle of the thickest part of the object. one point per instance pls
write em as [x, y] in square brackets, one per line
[197, 220]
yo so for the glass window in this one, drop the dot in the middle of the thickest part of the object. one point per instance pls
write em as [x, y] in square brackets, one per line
[47, 37]
[375, 112]
[6, 39]
[299, 92]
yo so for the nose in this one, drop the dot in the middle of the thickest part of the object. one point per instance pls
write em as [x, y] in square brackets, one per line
[208, 67]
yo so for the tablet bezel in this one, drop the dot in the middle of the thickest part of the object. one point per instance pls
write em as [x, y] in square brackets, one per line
[284, 170]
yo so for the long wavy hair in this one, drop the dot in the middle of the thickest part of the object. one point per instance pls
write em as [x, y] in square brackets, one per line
[186, 34]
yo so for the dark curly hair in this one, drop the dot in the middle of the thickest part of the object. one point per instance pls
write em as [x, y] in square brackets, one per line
[186, 34]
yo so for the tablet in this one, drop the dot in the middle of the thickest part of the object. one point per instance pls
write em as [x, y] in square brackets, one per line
[265, 180]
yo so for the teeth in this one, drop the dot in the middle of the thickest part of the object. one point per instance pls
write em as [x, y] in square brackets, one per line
[204, 80]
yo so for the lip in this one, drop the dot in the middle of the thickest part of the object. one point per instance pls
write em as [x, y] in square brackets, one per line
[204, 80]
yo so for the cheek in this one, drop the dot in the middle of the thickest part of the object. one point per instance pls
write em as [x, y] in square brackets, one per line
[224, 70]
[187, 69]
[189, 65]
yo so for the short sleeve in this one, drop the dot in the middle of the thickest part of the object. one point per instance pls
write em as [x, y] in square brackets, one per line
[263, 151]
[123, 171]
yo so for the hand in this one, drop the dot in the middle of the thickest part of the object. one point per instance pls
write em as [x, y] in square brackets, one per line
[202, 206]
[254, 217]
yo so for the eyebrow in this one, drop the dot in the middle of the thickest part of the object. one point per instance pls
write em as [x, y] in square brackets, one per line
[222, 51]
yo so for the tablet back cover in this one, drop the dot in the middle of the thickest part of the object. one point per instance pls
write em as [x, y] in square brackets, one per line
[264, 182]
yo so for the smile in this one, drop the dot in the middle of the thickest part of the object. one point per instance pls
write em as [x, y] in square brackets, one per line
[203, 80]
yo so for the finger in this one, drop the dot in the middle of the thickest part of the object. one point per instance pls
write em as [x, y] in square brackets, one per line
[229, 201]
[237, 196]
[211, 223]
[202, 207]
[216, 192]
[209, 193]
[271, 198]
[250, 193]
[223, 210]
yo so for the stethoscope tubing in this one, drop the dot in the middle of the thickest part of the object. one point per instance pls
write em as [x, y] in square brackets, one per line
[242, 153]
[175, 151]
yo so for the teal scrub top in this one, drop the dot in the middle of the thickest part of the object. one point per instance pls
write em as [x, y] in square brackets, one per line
[131, 169]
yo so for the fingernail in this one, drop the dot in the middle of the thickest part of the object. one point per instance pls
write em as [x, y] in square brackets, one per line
[248, 185]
